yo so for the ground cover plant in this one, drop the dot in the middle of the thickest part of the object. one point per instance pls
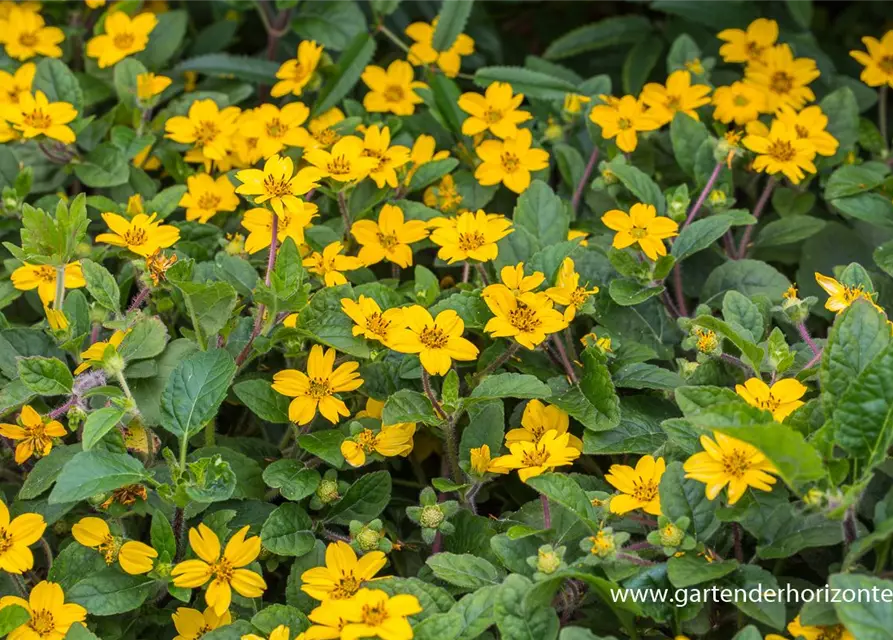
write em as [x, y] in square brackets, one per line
[445, 320]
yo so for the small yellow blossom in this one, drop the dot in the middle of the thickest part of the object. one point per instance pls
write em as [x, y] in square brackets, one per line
[43, 278]
[732, 462]
[438, 341]
[748, 46]
[205, 126]
[148, 85]
[291, 224]
[93, 355]
[679, 95]
[34, 115]
[782, 78]
[641, 226]
[192, 624]
[623, 119]
[345, 162]
[25, 35]
[343, 574]
[278, 184]
[330, 263]
[421, 51]
[472, 237]
[878, 62]
[206, 197]
[781, 150]
[510, 161]
[123, 37]
[33, 434]
[638, 486]
[568, 291]
[295, 74]
[738, 102]
[50, 617]
[535, 458]
[389, 238]
[782, 399]
[391, 90]
[496, 111]
[143, 234]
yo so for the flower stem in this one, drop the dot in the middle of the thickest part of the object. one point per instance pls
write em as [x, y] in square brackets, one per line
[547, 512]
[392, 37]
[60, 288]
[426, 385]
[804, 333]
[466, 272]
[584, 179]
[757, 210]
[271, 264]
[812, 362]
[452, 444]
[179, 527]
[139, 299]
[736, 538]
[497, 362]
[707, 189]
[345, 214]
[125, 388]
[482, 273]
[562, 354]
[882, 116]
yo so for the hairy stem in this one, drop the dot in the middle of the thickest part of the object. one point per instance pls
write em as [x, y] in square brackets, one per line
[139, 299]
[584, 179]
[482, 273]
[259, 320]
[497, 362]
[804, 333]
[565, 362]
[882, 116]
[547, 512]
[426, 385]
[707, 189]
[743, 248]
[345, 214]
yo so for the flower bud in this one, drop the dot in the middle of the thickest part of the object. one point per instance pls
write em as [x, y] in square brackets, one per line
[431, 517]
[327, 491]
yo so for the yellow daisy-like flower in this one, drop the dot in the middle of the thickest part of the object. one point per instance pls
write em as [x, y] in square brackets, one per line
[641, 226]
[528, 318]
[391, 90]
[374, 614]
[276, 129]
[748, 46]
[278, 184]
[148, 85]
[321, 130]
[291, 224]
[192, 624]
[573, 103]
[328, 621]
[143, 235]
[16, 535]
[392, 440]
[878, 62]
[206, 197]
[421, 51]
[423, 152]
[782, 78]
[376, 145]
[438, 341]
[732, 462]
[123, 37]
[34, 116]
[510, 161]
[638, 487]
[33, 434]
[371, 322]
[43, 278]
[205, 126]
[537, 420]
[780, 150]
[472, 237]
[496, 111]
[346, 162]
[389, 238]
[224, 571]
[809, 124]
[294, 74]
[330, 263]
[15, 85]
[50, 617]
[134, 557]
[535, 458]
[679, 95]
[823, 632]
[568, 291]
[623, 119]
[343, 575]
[26, 35]
[782, 399]
[316, 389]
[513, 279]
[443, 196]
[840, 295]
[739, 103]
[92, 355]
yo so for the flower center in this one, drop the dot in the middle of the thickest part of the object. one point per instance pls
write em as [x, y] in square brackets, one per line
[382, 159]
[42, 623]
[37, 119]
[223, 569]
[638, 233]
[754, 51]
[510, 162]
[124, 40]
[782, 151]
[319, 388]
[108, 548]
[735, 463]
[347, 586]
[674, 102]
[645, 491]
[276, 187]
[434, 338]
[741, 101]
[535, 458]
[374, 615]
[781, 82]
[579, 297]
[886, 64]
[471, 241]
[6, 541]
[492, 115]
[801, 131]
[366, 440]
[339, 166]
[524, 319]
[136, 236]
[205, 132]
[831, 633]
[275, 128]
[376, 324]
[208, 201]
[326, 137]
[45, 273]
[387, 241]
[394, 93]
[28, 39]
[624, 123]
[300, 72]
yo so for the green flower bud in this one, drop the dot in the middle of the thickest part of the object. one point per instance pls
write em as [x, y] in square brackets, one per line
[548, 560]
[671, 535]
[327, 491]
[368, 539]
[431, 517]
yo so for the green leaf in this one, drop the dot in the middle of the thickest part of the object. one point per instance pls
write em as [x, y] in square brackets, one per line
[225, 65]
[843, 121]
[364, 500]
[324, 320]
[210, 304]
[56, 80]
[789, 231]
[101, 285]
[162, 534]
[610, 32]
[468, 306]
[639, 184]
[333, 25]
[598, 389]
[769, 612]
[748, 277]
[641, 375]
[166, 38]
[431, 172]
[445, 94]
[194, 391]
[12, 616]
[486, 426]
[408, 406]
[258, 395]
[682, 498]
[45, 376]
[739, 312]
[325, 445]
[450, 23]
[89, 473]
[542, 213]
[46, 470]
[687, 135]
[562, 489]
[104, 166]
[509, 385]
[628, 293]
[292, 478]
[465, 571]
[110, 592]
[689, 570]
[533, 84]
[279, 614]
[99, 423]
[236, 630]
[873, 208]
[519, 620]
[350, 67]
[750, 352]
[640, 62]
[146, 339]
[474, 612]
[288, 531]
[852, 179]
[796, 460]
[865, 618]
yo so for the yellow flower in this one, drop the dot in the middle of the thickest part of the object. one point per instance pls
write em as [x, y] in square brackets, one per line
[316, 389]
[374, 614]
[641, 226]
[823, 632]
[43, 278]
[343, 574]
[14, 85]
[421, 51]
[224, 571]
[573, 102]
[275, 128]
[810, 124]
[514, 280]
[568, 291]
[35, 115]
[294, 74]
[49, 616]
[623, 119]
[330, 263]
[92, 356]
[143, 160]
[392, 440]
[638, 487]
[346, 162]
[780, 150]
[392, 90]
[143, 235]
[481, 462]
[729, 461]
[748, 46]
[16, 536]
[321, 132]
[278, 183]
[528, 318]
[148, 85]
[134, 557]
[328, 621]
[472, 237]
[707, 341]
[878, 63]
[206, 197]
[782, 78]
[123, 36]
[678, 96]
[192, 624]
[496, 111]
[510, 161]
[423, 152]
[291, 224]
[840, 295]
[535, 458]
[376, 145]
[26, 35]
[35, 434]
[537, 420]
[389, 238]
[603, 543]
[573, 234]
[438, 341]
[782, 399]
[739, 103]
[443, 196]
[206, 127]
[157, 265]
[371, 322]
[56, 319]
[279, 633]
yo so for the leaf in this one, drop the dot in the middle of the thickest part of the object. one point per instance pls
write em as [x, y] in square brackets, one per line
[364, 500]
[93, 472]
[767, 611]
[865, 618]
[45, 376]
[740, 312]
[789, 231]
[99, 423]
[639, 184]
[641, 375]
[46, 470]
[194, 391]
[258, 395]
[873, 208]
[56, 80]
[566, 492]
[509, 385]
[166, 39]
[519, 620]
[628, 293]
[640, 62]
[280, 614]
[146, 339]
[689, 570]
[325, 445]
[292, 478]
[450, 23]
[486, 426]
[334, 25]
[465, 571]
[225, 65]
[542, 213]
[610, 32]
[533, 84]
[851, 179]
[683, 498]
[12, 616]
[105, 166]
[101, 285]
[430, 172]
[843, 121]
[796, 460]
[350, 67]
[687, 135]
[236, 630]
[750, 352]
[748, 277]
[598, 389]
[475, 612]
[288, 531]
[324, 320]
[210, 304]
[408, 406]
[110, 592]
